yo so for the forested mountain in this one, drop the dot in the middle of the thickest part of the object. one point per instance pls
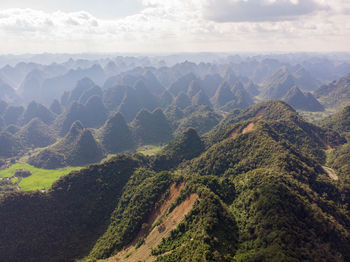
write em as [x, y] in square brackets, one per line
[254, 188]
[336, 93]
[302, 101]
[180, 161]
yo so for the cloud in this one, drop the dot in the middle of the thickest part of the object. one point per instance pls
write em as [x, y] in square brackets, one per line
[258, 10]
[176, 26]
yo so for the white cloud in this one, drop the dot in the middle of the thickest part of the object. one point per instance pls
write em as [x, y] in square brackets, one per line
[258, 10]
[174, 26]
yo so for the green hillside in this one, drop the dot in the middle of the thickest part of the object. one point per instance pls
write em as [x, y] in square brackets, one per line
[262, 185]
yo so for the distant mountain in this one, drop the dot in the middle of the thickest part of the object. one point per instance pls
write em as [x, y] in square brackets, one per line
[304, 79]
[251, 88]
[166, 99]
[200, 98]
[34, 110]
[78, 148]
[10, 146]
[151, 128]
[36, 134]
[336, 93]
[182, 84]
[7, 93]
[278, 84]
[115, 135]
[13, 114]
[202, 118]
[182, 101]
[136, 99]
[113, 96]
[56, 107]
[194, 88]
[2, 123]
[228, 97]
[93, 91]
[3, 107]
[210, 83]
[223, 95]
[339, 122]
[81, 86]
[53, 88]
[302, 101]
[93, 115]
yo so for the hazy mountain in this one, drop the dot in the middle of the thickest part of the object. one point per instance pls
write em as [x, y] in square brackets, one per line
[278, 84]
[336, 93]
[200, 98]
[53, 88]
[304, 79]
[36, 134]
[151, 128]
[30, 88]
[210, 83]
[34, 110]
[257, 174]
[13, 114]
[182, 84]
[136, 99]
[115, 135]
[223, 95]
[7, 93]
[302, 101]
[10, 146]
[182, 101]
[56, 107]
[3, 107]
[78, 147]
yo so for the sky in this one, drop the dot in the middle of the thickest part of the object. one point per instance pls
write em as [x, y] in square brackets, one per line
[172, 26]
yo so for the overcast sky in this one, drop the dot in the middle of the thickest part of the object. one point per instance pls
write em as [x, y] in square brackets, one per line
[163, 26]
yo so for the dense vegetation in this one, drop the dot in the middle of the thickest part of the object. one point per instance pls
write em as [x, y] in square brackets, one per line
[216, 177]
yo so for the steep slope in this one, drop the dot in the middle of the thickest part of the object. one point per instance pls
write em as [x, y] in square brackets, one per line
[278, 84]
[151, 128]
[200, 98]
[78, 205]
[307, 102]
[37, 110]
[339, 122]
[10, 146]
[283, 118]
[135, 100]
[254, 191]
[36, 134]
[202, 118]
[13, 114]
[115, 135]
[78, 147]
[56, 107]
[223, 95]
[182, 84]
[335, 94]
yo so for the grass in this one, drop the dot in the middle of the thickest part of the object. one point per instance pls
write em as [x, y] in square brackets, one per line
[14, 180]
[40, 178]
[149, 150]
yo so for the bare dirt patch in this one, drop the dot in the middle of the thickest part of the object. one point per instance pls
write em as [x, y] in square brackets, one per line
[248, 128]
[260, 113]
[331, 173]
[162, 230]
[234, 133]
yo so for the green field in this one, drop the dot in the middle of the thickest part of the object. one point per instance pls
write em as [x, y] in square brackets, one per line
[149, 150]
[40, 178]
